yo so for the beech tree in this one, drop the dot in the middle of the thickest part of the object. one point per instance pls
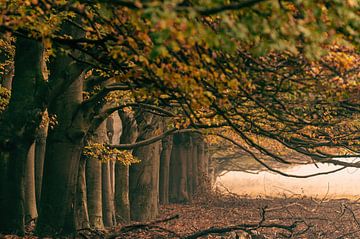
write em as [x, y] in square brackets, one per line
[286, 71]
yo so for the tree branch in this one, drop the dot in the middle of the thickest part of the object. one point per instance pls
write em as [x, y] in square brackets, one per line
[153, 139]
[272, 169]
[230, 7]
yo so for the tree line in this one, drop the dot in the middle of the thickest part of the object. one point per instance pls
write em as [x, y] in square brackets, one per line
[181, 79]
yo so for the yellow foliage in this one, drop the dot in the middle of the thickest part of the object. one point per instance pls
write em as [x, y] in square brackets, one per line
[105, 153]
[4, 98]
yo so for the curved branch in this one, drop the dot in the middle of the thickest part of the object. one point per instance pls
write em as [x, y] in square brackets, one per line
[275, 170]
[153, 139]
[230, 7]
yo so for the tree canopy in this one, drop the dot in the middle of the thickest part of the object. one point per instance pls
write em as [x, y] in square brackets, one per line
[275, 79]
[285, 70]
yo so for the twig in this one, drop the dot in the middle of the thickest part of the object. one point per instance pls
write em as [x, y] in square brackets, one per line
[353, 214]
[348, 234]
[244, 227]
[142, 226]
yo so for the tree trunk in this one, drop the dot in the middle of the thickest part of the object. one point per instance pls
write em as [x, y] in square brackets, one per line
[107, 196]
[183, 190]
[98, 179]
[122, 203]
[206, 168]
[59, 187]
[4, 191]
[94, 192]
[63, 151]
[144, 176]
[12, 219]
[30, 197]
[167, 143]
[212, 177]
[129, 135]
[114, 129]
[112, 180]
[40, 147]
[81, 209]
[195, 172]
[189, 158]
[18, 125]
[178, 164]
[113, 132]
[201, 166]
[101, 136]
[174, 172]
[64, 142]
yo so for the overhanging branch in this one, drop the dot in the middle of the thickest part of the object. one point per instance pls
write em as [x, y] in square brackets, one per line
[153, 139]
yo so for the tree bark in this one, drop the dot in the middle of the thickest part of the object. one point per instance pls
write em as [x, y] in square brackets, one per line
[129, 135]
[122, 203]
[144, 176]
[40, 147]
[189, 157]
[201, 165]
[59, 186]
[195, 172]
[167, 143]
[17, 127]
[107, 196]
[174, 172]
[207, 168]
[30, 197]
[114, 130]
[81, 209]
[178, 164]
[112, 181]
[63, 151]
[94, 193]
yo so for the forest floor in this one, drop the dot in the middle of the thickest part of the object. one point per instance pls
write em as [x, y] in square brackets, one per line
[260, 217]
[233, 216]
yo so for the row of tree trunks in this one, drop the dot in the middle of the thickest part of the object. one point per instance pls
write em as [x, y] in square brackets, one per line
[72, 193]
[44, 171]
[189, 169]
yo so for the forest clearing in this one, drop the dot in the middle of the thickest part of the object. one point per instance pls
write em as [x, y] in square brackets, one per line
[179, 119]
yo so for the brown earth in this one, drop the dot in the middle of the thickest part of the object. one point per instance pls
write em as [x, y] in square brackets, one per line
[302, 218]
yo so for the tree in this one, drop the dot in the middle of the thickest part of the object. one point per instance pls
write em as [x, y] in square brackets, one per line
[252, 67]
[18, 126]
